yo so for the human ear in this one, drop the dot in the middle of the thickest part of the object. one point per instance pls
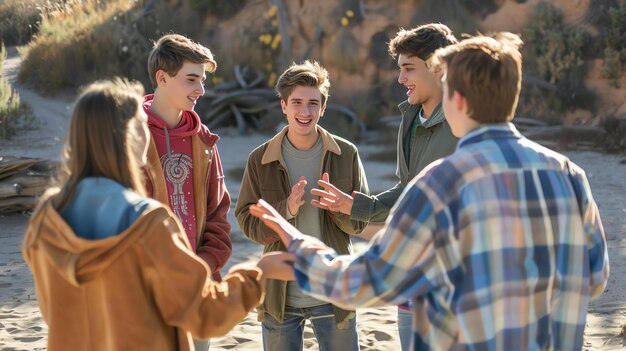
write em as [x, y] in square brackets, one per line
[438, 72]
[160, 77]
[283, 105]
[459, 101]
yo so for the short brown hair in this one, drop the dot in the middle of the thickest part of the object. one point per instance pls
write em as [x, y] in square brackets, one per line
[421, 41]
[487, 71]
[306, 74]
[170, 53]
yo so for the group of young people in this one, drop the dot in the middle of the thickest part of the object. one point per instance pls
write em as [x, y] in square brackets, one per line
[490, 241]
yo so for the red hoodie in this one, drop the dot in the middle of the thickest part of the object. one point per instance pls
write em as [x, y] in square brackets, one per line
[193, 190]
[175, 153]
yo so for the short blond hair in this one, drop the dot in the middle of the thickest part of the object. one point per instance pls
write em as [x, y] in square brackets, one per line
[307, 74]
[487, 71]
[170, 53]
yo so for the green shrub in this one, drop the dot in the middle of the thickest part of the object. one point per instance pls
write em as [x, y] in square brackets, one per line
[613, 29]
[222, 9]
[19, 20]
[616, 31]
[344, 51]
[15, 116]
[598, 14]
[450, 12]
[614, 140]
[556, 53]
[612, 65]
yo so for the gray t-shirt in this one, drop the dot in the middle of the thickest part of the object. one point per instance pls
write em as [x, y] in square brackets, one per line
[305, 163]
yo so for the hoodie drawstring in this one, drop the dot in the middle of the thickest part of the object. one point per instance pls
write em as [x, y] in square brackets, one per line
[167, 144]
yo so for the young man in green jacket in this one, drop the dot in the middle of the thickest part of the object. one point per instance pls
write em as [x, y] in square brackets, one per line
[278, 172]
[424, 135]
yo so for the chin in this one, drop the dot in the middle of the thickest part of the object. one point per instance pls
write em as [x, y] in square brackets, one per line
[414, 101]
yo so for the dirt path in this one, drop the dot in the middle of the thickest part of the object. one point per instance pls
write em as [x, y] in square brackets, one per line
[53, 114]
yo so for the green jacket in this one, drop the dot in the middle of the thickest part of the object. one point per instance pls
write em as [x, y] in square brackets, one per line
[433, 140]
[265, 177]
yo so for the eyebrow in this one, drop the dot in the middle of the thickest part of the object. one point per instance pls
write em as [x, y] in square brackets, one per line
[193, 75]
[299, 99]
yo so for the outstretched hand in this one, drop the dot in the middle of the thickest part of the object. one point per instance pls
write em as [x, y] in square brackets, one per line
[277, 265]
[273, 220]
[331, 198]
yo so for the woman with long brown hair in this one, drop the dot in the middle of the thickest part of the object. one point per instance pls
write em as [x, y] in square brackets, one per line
[113, 269]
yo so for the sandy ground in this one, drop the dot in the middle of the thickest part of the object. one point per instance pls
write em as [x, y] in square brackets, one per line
[21, 326]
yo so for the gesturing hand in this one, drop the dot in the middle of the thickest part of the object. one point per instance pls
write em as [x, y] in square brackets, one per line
[331, 198]
[273, 220]
[295, 198]
[277, 265]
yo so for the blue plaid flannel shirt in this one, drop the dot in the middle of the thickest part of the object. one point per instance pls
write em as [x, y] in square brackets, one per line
[500, 246]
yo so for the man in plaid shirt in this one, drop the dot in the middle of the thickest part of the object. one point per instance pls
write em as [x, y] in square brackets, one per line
[500, 245]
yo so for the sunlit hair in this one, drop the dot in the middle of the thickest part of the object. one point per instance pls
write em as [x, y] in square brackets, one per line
[307, 74]
[421, 41]
[170, 53]
[487, 71]
[102, 138]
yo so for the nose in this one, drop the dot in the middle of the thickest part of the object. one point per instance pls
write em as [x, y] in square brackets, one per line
[306, 110]
[401, 78]
[201, 89]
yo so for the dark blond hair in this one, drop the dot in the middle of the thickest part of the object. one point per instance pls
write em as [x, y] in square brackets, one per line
[170, 53]
[421, 41]
[101, 140]
[306, 74]
[487, 71]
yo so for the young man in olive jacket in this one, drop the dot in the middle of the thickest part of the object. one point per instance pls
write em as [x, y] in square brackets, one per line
[424, 135]
[278, 172]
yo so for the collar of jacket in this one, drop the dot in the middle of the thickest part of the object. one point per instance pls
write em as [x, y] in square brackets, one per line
[408, 111]
[274, 147]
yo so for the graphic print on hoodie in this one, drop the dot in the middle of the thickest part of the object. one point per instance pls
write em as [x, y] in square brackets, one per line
[175, 152]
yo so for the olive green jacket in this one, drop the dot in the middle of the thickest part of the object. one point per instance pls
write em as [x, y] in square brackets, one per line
[266, 177]
[433, 140]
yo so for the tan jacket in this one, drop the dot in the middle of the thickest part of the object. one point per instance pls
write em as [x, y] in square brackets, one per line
[211, 199]
[266, 178]
[140, 290]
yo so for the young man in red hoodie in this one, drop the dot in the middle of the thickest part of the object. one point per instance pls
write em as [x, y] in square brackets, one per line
[187, 172]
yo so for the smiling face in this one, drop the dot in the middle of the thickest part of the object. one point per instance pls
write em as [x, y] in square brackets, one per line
[303, 109]
[421, 83]
[185, 88]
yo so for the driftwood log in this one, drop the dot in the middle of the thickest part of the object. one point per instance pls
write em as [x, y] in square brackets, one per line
[22, 180]
[245, 101]
[578, 137]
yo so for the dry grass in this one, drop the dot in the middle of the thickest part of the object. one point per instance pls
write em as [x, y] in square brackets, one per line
[19, 20]
[15, 116]
[83, 40]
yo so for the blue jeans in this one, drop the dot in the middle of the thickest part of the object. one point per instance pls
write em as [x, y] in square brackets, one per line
[288, 335]
[405, 328]
[201, 345]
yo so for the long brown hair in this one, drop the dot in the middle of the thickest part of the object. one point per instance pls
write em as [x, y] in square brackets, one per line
[101, 140]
